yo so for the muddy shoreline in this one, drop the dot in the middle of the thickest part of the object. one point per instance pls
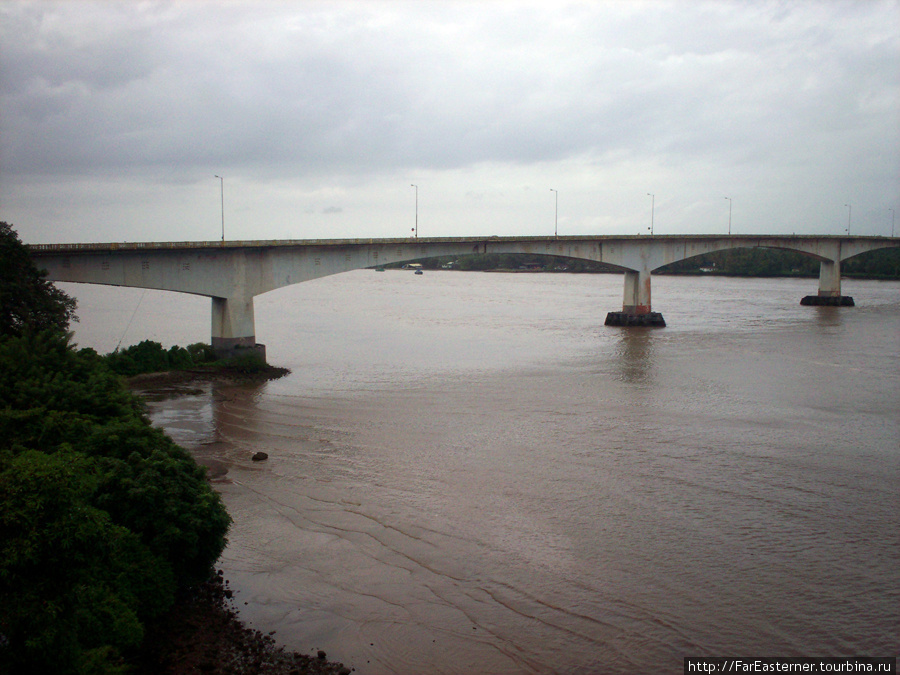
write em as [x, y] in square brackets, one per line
[171, 383]
[203, 631]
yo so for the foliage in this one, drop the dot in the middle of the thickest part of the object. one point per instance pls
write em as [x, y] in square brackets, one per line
[510, 261]
[880, 264]
[102, 517]
[250, 363]
[80, 582]
[134, 488]
[27, 300]
[150, 357]
[201, 353]
[179, 358]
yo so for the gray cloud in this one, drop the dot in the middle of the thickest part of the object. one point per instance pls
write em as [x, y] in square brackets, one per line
[355, 93]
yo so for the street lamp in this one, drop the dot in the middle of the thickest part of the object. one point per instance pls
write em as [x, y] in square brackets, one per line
[849, 217]
[652, 205]
[556, 214]
[892, 221]
[416, 228]
[729, 215]
[222, 192]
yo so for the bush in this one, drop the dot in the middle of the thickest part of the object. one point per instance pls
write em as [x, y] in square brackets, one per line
[249, 363]
[145, 357]
[179, 358]
[81, 583]
[103, 516]
[201, 353]
[150, 357]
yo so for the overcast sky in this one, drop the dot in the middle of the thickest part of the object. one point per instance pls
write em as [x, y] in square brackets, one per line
[115, 118]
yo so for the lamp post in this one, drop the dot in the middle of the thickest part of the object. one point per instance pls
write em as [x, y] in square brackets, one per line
[222, 192]
[652, 206]
[729, 215]
[416, 228]
[849, 217]
[892, 221]
[556, 213]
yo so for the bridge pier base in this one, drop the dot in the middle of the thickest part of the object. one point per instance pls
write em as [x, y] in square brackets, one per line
[654, 319]
[636, 301]
[226, 348]
[233, 328]
[829, 287]
[828, 300]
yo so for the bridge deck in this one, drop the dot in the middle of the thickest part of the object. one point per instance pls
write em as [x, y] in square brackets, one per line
[751, 239]
[233, 273]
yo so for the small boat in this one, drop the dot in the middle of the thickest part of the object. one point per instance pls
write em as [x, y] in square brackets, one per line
[379, 269]
[419, 272]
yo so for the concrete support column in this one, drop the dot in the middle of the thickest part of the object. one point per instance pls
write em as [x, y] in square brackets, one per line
[637, 292]
[233, 325]
[636, 303]
[830, 278]
[829, 286]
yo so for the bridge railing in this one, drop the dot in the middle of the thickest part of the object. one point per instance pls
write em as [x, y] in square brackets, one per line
[164, 245]
[264, 243]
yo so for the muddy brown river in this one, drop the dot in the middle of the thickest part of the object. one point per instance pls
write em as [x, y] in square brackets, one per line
[469, 473]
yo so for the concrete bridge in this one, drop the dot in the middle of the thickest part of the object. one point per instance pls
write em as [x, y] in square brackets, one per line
[233, 273]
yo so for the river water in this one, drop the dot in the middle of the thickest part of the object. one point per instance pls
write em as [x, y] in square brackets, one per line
[469, 473]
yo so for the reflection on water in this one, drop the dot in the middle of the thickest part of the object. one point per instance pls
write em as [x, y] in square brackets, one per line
[829, 316]
[470, 473]
[635, 352]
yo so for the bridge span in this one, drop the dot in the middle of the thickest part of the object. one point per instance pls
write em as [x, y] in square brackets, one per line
[233, 273]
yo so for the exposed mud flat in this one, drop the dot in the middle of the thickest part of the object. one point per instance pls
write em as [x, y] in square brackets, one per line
[203, 633]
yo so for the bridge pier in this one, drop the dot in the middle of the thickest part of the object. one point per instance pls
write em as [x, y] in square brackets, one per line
[829, 287]
[636, 303]
[234, 327]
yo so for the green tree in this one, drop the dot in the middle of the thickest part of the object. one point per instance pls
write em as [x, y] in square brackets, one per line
[27, 300]
[102, 517]
[880, 264]
[179, 358]
[53, 397]
[201, 353]
[77, 585]
[145, 357]
[151, 357]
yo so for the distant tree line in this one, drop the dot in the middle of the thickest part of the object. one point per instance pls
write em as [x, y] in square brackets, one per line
[487, 262]
[103, 518]
[760, 262]
[880, 264]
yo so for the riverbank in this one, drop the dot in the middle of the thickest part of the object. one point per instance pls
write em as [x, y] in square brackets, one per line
[173, 383]
[203, 633]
